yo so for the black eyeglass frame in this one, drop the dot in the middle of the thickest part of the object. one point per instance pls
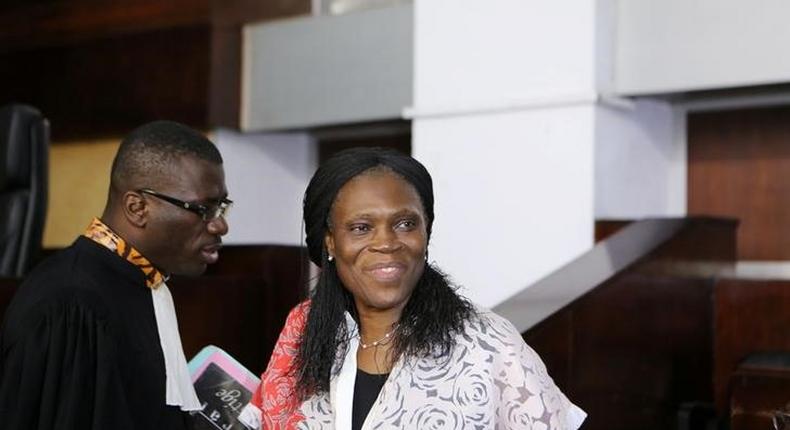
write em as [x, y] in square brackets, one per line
[781, 419]
[203, 211]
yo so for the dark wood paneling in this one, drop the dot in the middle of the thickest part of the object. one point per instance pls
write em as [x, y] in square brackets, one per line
[553, 340]
[225, 77]
[643, 345]
[272, 263]
[750, 316]
[387, 134]
[638, 349]
[100, 68]
[233, 12]
[633, 351]
[56, 23]
[606, 228]
[759, 390]
[739, 166]
[703, 240]
[108, 86]
[240, 304]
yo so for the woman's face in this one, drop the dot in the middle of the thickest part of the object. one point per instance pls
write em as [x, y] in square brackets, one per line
[378, 239]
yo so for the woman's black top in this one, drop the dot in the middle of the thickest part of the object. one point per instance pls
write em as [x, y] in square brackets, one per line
[366, 391]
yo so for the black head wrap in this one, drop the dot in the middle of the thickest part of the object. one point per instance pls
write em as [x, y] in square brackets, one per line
[341, 168]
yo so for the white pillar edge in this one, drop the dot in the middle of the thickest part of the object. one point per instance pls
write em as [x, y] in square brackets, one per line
[536, 103]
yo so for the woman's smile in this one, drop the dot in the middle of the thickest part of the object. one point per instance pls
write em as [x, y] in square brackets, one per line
[386, 272]
[378, 239]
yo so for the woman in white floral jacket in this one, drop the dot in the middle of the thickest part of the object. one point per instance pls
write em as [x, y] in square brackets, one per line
[385, 341]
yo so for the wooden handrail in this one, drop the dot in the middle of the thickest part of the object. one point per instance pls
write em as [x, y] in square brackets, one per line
[575, 279]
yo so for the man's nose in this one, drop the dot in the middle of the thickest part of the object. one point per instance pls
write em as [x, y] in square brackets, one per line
[218, 226]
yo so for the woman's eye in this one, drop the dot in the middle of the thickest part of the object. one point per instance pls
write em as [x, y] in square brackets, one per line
[360, 228]
[405, 224]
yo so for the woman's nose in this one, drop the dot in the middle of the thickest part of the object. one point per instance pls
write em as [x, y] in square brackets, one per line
[385, 240]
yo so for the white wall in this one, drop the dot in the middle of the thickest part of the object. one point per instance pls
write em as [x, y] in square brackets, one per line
[512, 113]
[266, 175]
[323, 70]
[476, 54]
[640, 161]
[504, 119]
[513, 195]
[640, 146]
[605, 45]
[680, 45]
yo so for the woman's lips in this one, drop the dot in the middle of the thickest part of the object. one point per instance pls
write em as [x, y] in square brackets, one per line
[386, 272]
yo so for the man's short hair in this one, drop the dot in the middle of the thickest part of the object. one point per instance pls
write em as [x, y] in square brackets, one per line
[149, 152]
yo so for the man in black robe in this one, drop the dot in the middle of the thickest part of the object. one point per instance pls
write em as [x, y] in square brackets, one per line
[90, 339]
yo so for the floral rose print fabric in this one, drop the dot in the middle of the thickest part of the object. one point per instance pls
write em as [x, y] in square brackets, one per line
[492, 380]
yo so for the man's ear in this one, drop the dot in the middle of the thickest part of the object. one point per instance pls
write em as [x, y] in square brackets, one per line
[329, 242]
[135, 208]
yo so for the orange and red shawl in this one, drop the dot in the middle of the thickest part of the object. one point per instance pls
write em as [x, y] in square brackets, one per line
[276, 397]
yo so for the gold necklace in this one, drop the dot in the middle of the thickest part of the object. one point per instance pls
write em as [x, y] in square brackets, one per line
[381, 341]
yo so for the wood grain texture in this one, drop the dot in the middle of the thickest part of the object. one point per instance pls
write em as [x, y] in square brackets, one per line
[757, 394]
[106, 87]
[638, 348]
[57, 23]
[606, 228]
[632, 351]
[750, 316]
[99, 68]
[739, 166]
[241, 303]
[234, 12]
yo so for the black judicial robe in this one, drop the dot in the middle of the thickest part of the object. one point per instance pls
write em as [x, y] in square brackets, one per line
[79, 348]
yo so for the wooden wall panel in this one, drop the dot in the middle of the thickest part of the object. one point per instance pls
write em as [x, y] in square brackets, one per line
[750, 316]
[234, 12]
[637, 350]
[241, 302]
[606, 228]
[109, 86]
[57, 23]
[633, 351]
[224, 99]
[759, 391]
[739, 166]
[98, 68]
[394, 134]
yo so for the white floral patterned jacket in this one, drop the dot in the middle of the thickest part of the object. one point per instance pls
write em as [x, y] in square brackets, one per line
[492, 380]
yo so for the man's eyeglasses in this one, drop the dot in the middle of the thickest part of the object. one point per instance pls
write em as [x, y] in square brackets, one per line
[781, 419]
[207, 212]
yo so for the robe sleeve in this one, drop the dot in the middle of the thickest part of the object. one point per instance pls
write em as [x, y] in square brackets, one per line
[274, 404]
[59, 372]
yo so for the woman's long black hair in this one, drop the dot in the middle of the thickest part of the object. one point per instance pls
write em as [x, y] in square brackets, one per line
[434, 314]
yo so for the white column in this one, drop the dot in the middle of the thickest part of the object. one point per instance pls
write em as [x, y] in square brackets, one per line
[504, 119]
[266, 175]
[640, 161]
